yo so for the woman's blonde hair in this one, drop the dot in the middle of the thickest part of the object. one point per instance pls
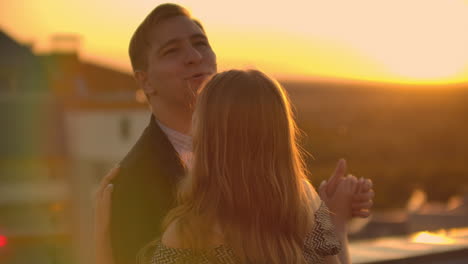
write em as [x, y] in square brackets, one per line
[248, 173]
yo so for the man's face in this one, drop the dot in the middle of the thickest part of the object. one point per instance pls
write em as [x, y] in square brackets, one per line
[179, 61]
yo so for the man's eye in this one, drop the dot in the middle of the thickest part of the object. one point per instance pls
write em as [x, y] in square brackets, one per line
[201, 43]
[170, 51]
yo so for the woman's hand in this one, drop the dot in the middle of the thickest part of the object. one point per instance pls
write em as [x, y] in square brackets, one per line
[102, 215]
[361, 201]
[339, 202]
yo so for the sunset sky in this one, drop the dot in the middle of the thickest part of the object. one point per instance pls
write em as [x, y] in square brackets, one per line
[410, 41]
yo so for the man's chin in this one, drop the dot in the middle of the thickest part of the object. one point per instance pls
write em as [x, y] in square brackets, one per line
[189, 105]
[196, 84]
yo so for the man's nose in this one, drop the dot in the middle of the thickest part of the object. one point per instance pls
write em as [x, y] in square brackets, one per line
[193, 56]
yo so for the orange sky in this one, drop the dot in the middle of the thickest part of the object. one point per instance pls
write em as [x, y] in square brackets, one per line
[412, 41]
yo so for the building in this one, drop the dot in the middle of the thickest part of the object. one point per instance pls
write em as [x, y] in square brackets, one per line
[65, 123]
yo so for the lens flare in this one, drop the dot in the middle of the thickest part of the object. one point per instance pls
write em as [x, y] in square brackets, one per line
[3, 241]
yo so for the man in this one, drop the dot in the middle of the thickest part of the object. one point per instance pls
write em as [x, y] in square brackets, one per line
[171, 57]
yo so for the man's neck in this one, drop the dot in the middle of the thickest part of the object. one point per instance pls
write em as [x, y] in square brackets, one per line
[176, 119]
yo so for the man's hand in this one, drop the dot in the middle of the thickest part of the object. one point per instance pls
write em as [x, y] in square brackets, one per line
[340, 202]
[335, 179]
[361, 201]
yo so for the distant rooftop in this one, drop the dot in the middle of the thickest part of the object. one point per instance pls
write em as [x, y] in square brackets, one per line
[422, 247]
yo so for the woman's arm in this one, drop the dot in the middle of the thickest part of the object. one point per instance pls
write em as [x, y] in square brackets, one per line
[340, 206]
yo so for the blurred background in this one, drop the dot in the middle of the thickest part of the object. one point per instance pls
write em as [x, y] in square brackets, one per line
[383, 84]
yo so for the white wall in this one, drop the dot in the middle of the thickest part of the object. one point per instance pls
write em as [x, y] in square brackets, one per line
[96, 144]
[96, 135]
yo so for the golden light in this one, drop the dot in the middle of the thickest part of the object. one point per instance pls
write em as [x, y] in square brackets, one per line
[439, 238]
[419, 41]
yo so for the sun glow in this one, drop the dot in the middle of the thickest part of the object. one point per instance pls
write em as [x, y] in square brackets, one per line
[438, 238]
[419, 41]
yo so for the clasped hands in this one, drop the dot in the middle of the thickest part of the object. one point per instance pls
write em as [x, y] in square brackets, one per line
[345, 195]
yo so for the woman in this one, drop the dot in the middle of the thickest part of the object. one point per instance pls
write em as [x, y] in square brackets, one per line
[247, 198]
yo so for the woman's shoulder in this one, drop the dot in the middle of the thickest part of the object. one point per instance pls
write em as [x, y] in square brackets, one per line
[172, 237]
[162, 254]
[166, 249]
[169, 249]
[314, 198]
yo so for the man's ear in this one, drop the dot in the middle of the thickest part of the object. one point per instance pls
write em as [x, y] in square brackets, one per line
[144, 82]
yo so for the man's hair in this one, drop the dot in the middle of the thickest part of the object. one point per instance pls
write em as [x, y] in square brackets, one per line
[140, 43]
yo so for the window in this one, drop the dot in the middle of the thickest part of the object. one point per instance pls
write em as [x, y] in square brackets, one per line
[125, 129]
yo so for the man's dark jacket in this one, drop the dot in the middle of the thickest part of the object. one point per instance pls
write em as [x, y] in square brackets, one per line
[144, 191]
